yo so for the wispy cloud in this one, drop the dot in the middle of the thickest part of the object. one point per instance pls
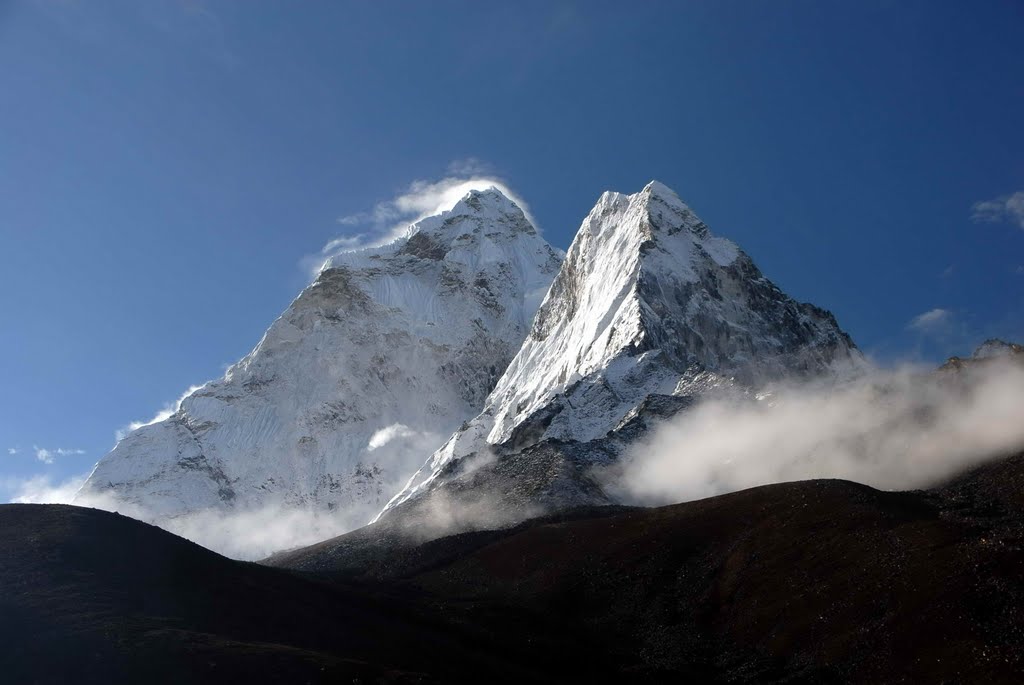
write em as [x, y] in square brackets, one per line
[389, 220]
[948, 271]
[12, 450]
[388, 434]
[1004, 209]
[931, 321]
[470, 167]
[168, 410]
[47, 456]
[351, 242]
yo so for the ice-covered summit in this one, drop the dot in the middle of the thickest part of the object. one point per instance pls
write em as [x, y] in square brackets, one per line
[382, 356]
[489, 206]
[648, 303]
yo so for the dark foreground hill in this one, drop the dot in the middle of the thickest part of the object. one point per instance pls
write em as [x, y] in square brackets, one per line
[816, 581]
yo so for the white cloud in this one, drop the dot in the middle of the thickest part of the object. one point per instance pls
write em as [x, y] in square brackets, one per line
[387, 434]
[894, 430]
[258, 533]
[240, 534]
[47, 455]
[169, 409]
[931, 321]
[41, 489]
[1003, 209]
[397, 448]
[391, 219]
[12, 450]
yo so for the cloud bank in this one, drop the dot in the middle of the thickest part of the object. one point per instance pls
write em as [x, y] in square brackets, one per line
[242, 534]
[258, 533]
[892, 430]
[898, 429]
[41, 489]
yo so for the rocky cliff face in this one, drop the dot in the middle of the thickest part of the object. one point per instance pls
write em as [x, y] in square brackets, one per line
[648, 312]
[370, 368]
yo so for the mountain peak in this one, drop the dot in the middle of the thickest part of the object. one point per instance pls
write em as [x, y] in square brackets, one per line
[492, 193]
[388, 351]
[486, 212]
[648, 303]
[995, 347]
[668, 213]
[485, 200]
[488, 207]
[658, 189]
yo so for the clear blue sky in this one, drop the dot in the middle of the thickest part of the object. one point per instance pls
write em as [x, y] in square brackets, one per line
[165, 166]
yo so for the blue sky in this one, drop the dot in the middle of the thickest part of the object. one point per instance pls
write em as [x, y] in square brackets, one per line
[167, 167]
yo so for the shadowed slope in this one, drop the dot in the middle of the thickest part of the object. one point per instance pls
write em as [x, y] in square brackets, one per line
[90, 596]
[814, 581]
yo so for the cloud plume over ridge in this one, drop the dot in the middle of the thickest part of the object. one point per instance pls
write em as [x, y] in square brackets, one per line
[390, 219]
[892, 430]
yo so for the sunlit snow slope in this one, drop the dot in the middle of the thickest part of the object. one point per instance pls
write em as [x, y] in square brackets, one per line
[368, 370]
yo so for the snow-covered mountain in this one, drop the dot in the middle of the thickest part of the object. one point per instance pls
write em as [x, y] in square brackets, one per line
[369, 369]
[648, 311]
[991, 350]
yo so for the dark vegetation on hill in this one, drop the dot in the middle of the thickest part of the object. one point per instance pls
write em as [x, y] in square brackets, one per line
[814, 581]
